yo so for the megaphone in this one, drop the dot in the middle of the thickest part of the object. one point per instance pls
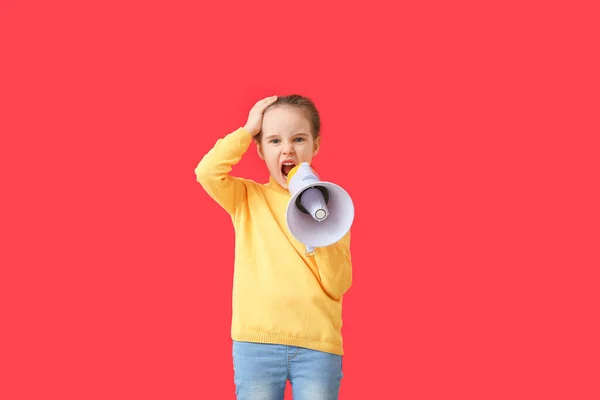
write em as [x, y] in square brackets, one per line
[319, 213]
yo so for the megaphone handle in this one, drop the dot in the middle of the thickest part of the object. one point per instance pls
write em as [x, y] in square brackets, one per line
[310, 251]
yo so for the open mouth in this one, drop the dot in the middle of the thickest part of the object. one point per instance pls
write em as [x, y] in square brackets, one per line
[286, 167]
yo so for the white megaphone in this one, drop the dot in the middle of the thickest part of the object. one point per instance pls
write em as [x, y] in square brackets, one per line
[319, 213]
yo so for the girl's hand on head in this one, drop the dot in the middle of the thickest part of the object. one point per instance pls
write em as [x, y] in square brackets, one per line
[255, 117]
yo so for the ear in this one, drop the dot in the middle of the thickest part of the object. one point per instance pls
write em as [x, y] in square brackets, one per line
[317, 145]
[259, 150]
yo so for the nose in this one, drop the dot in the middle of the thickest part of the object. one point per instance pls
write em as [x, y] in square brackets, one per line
[288, 149]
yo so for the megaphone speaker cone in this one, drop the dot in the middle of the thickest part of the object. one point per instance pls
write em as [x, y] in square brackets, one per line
[313, 202]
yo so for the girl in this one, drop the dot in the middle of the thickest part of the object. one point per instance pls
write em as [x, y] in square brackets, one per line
[287, 306]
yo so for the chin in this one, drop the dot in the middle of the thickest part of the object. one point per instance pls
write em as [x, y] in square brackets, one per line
[282, 181]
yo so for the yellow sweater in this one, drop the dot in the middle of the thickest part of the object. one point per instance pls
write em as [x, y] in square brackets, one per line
[280, 295]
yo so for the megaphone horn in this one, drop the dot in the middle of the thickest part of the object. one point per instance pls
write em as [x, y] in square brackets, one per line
[319, 213]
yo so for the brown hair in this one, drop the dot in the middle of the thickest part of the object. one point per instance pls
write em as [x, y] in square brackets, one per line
[295, 100]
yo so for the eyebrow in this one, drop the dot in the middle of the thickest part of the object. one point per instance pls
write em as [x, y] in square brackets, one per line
[295, 134]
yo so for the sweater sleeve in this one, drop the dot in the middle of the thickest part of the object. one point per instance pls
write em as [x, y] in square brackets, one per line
[335, 267]
[213, 170]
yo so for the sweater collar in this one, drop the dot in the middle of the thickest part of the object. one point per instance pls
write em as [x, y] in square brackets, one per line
[277, 187]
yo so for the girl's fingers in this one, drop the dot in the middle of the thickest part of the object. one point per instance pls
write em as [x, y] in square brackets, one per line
[268, 101]
[261, 105]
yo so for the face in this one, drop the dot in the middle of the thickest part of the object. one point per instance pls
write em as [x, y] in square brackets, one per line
[286, 141]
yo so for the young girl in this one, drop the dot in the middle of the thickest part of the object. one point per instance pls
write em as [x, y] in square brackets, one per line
[287, 305]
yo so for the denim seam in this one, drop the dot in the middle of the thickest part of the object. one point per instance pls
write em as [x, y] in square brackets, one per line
[287, 353]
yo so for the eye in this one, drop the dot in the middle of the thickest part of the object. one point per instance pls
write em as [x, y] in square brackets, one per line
[299, 139]
[274, 141]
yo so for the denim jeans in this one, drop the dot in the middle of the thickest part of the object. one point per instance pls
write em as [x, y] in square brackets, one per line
[261, 372]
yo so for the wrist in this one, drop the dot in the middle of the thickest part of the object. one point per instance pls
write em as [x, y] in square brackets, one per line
[252, 132]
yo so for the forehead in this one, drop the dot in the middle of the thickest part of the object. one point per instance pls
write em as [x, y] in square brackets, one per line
[285, 120]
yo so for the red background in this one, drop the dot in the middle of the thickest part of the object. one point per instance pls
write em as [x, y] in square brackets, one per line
[466, 134]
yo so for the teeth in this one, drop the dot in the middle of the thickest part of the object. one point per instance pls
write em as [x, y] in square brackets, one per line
[288, 163]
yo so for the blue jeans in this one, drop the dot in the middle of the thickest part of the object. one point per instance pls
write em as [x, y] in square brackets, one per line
[261, 372]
